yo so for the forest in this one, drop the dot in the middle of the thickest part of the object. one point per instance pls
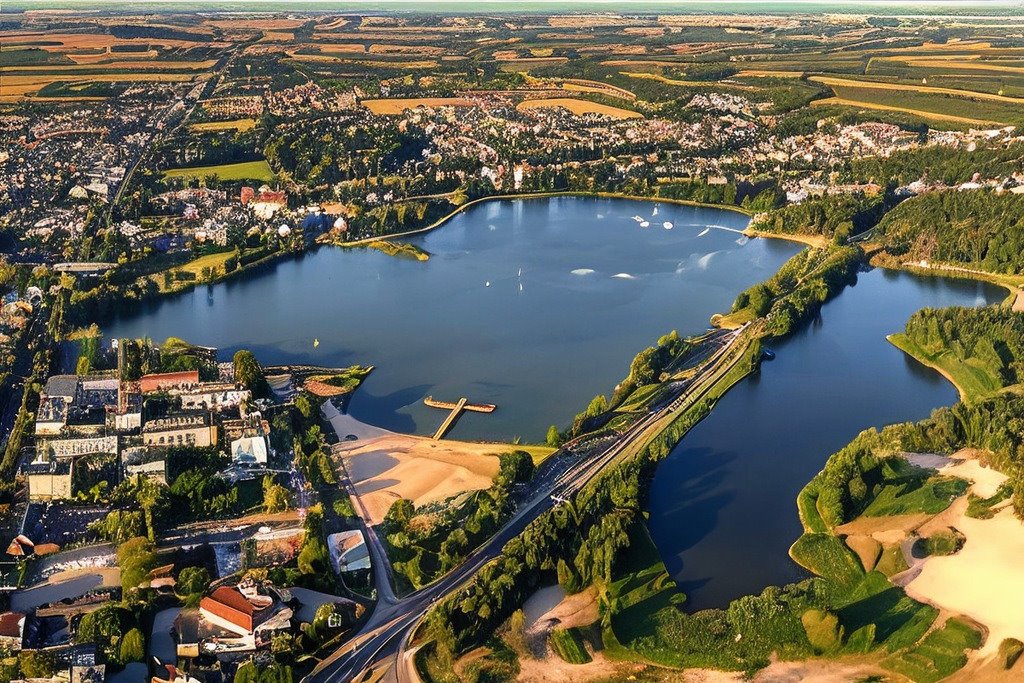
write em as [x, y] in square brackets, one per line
[978, 229]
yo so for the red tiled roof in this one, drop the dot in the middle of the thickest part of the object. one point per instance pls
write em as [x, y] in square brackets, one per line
[10, 624]
[163, 380]
[230, 605]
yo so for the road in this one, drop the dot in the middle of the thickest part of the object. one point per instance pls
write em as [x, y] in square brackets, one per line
[385, 634]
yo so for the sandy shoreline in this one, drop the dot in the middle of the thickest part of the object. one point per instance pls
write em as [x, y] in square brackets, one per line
[385, 466]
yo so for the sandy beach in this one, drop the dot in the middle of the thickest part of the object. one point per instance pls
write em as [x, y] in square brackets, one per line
[385, 466]
[985, 580]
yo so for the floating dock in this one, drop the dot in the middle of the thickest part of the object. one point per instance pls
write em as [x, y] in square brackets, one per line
[456, 408]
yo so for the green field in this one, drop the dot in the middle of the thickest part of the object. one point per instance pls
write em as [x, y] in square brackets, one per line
[941, 653]
[938, 104]
[973, 380]
[246, 170]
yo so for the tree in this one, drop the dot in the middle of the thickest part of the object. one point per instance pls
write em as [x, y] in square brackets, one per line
[248, 372]
[133, 646]
[554, 437]
[192, 580]
[37, 663]
[399, 514]
[275, 496]
[136, 559]
[516, 467]
[151, 497]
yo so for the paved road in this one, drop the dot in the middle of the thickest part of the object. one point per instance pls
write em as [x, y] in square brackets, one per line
[385, 633]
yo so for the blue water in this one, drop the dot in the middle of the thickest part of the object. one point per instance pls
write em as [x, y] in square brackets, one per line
[539, 344]
[723, 504]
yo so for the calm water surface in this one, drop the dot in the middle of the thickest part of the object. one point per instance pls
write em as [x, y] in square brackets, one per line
[723, 504]
[535, 306]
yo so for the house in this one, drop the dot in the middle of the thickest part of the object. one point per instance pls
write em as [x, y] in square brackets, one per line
[12, 628]
[251, 449]
[228, 608]
[62, 386]
[165, 381]
[213, 395]
[180, 430]
[49, 480]
[249, 614]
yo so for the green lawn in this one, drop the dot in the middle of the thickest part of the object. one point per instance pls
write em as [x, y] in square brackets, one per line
[972, 380]
[246, 170]
[931, 496]
[941, 653]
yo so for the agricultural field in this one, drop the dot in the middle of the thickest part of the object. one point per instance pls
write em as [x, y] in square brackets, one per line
[580, 107]
[246, 170]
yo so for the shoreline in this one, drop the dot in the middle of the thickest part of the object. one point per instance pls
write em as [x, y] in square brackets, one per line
[365, 241]
[909, 348]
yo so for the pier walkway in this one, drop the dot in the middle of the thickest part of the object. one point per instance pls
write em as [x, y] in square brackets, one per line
[456, 409]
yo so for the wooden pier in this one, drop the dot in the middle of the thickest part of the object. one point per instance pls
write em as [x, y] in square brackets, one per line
[456, 409]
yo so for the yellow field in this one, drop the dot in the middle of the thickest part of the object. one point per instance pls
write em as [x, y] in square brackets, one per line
[916, 112]
[766, 73]
[966, 62]
[105, 57]
[14, 87]
[924, 89]
[150, 65]
[399, 105]
[674, 81]
[240, 125]
[580, 107]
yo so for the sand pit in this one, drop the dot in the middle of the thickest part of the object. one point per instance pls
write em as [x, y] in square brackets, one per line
[385, 466]
[985, 580]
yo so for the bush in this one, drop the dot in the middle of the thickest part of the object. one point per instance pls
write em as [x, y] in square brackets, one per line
[822, 629]
[568, 644]
[1010, 651]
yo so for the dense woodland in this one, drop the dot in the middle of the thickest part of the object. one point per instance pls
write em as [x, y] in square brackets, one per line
[978, 229]
[989, 340]
[834, 216]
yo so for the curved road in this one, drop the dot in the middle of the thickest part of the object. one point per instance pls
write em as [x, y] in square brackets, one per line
[384, 635]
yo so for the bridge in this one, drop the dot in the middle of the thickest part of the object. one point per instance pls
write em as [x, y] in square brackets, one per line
[456, 409]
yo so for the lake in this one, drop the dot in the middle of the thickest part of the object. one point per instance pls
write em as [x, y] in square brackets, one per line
[533, 305]
[723, 504]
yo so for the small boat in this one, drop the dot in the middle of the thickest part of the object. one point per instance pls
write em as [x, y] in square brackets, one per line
[638, 219]
[704, 232]
[767, 354]
[667, 225]
[487, 284]
[520, 272]
[644, 224]
[520, 286]
[655, 211]
[316, 343]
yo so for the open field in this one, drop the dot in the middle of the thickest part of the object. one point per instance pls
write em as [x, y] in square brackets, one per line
[399, 105]
[16, 87]
[187, 274]
[246, 170]
[240, 125]
[930, 115]
[580, 107]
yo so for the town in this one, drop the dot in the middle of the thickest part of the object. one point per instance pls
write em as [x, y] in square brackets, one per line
[386, 250]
